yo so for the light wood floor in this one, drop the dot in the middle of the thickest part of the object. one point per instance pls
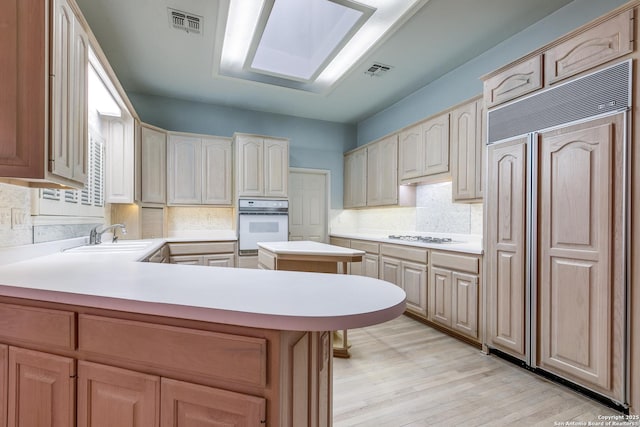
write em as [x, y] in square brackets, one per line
[403, 373]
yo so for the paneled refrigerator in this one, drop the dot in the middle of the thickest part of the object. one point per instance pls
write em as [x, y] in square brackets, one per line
[557, 230]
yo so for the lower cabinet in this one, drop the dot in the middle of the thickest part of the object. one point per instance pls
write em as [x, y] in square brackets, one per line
[211, 254]
[407, 268]
[157, 372]
[41, 389]
[192, 405]
[123, 397]
[370, 261]
[454, 292]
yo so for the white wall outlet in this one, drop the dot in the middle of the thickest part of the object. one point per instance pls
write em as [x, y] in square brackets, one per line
[18, 218]
[5, 218]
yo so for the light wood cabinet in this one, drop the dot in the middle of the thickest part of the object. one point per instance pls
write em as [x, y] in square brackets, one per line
[424, 151]
[370, 264]
[382, 172]
[519, 79]
[355, 179]
[153, 165]
[466, 150]
[192, 405]
[581, 279]
[506, 243]
[123, 397]
[120, 158]
[199, 170]
[41, 389]
[406, 267]
[608, 40]
[262, 166]
[46, 142]
[454, 292]
[212, 254]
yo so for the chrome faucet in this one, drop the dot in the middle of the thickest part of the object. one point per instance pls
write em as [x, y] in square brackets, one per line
[95, 236]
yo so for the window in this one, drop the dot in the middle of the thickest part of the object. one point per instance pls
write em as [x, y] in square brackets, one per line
[86, 202]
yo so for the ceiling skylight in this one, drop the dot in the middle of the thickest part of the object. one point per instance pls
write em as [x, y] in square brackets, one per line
[299, 36]
[307, 45]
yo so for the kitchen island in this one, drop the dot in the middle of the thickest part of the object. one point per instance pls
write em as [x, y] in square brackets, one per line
[105, 334]
[310, 256]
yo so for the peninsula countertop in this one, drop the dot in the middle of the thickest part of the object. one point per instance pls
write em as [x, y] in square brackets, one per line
[281, 300]
[305, 247]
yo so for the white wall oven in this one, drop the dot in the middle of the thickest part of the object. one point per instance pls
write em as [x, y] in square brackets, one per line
[261, 220]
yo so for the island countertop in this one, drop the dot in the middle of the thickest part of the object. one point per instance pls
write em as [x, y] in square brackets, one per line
[308, 248]
[282, 300]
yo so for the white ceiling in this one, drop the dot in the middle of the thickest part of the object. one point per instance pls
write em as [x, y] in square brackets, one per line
[150, 57]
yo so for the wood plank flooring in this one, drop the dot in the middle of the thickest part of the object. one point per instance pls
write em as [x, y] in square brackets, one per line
[403, 373]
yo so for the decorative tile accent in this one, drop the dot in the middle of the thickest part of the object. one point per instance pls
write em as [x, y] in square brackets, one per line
[196, 218]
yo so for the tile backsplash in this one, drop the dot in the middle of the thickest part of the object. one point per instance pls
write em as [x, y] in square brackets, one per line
[181, 219]
[15, 221]
[434, 213]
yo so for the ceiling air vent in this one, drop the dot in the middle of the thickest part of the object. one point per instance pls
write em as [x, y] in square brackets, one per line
[377, 70]
[189, 22]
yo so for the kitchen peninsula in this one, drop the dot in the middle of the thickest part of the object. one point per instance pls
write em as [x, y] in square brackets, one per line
[176, 342]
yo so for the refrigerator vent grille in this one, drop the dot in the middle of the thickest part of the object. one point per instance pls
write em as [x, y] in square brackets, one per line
[594, 94]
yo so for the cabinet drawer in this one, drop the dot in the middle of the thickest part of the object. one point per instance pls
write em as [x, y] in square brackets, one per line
[466, 263]
[201, 248]
[339, 241]
[38, 326]
[405, 253]
[514, 82]
[369, 247]
[608, 40]
[266, 260]
[210, 354]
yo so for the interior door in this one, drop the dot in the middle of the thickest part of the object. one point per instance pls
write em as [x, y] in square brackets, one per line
[581, 315]
[308, 205]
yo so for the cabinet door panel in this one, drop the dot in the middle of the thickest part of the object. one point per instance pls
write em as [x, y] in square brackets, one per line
[276, 168]
[184, 171]
[4, 379]
[79, 113]
[411, 153]
[374, 196]
[191, 405]
[581, 290]
[463, 151]
[250, 167]
[355, 179]
[153, 165]
[216, 172]
[390, 270]
[370, 266]
[22, 133]
[609, 40]
[505, 259]
[464, 316]
[186, 259]
[61, 149]
[109, 396]
[414, 283]
[222, 260]
[388, 170]
[436, 145]
[41, 389]
[440, 296]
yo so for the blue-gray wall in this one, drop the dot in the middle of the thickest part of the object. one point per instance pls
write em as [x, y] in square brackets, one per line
[464, 82]
[319, 144]
[313, 144]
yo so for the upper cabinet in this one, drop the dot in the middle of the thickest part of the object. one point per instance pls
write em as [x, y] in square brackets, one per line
[513, 82]
[382, 172]
[424, 151]
[600, 42]
[355, 179]
[198, 170]
[467, 151]
[610, 39]
[120, 159]
[152, 165]
[262, 166]
[43, 112]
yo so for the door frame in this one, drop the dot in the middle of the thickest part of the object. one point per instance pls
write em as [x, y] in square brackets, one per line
[327, 181]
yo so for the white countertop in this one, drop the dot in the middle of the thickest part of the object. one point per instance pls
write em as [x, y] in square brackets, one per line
[305, 247]
[282, 300]
[461, 244]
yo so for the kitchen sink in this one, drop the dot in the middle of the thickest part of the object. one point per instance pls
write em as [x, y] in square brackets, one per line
[118, 247]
